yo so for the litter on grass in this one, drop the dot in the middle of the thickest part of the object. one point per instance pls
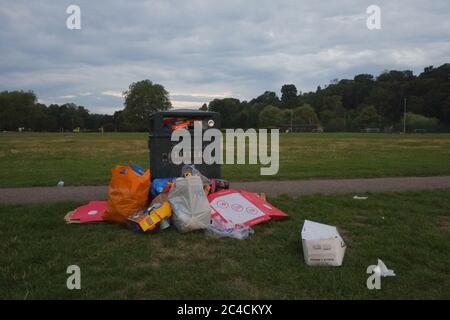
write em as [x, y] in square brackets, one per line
[189, 202]
[191, 210]
[242, 207]
[155, 216]
[91, 212]
[127, 193]
[222, 229]
[161, 185]
[322, 244]
[360, 198]
[383, 270]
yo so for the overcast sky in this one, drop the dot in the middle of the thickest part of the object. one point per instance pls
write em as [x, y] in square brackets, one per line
[200, 50]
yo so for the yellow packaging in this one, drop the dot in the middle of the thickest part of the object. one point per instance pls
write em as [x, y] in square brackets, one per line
[146, 222]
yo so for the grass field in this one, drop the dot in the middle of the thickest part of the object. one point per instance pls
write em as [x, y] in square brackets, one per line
[35, 159]
[408, 231]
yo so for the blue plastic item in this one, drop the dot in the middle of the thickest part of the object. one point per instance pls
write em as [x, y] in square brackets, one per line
[137, 169]
[158, 185]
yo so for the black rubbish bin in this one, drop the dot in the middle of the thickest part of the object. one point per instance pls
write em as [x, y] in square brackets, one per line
[160, 145]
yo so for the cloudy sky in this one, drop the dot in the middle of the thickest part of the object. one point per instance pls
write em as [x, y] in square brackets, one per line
[200, 50]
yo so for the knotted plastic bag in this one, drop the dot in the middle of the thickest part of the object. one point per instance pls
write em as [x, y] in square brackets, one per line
[128, 192]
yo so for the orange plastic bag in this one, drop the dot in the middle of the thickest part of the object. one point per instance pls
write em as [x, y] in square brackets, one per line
[128, 192]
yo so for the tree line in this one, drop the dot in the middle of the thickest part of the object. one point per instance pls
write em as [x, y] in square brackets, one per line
[19, 110]
[354, 104]
[350, 104]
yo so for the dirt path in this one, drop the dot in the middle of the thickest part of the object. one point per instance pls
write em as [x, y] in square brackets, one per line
[271, 188]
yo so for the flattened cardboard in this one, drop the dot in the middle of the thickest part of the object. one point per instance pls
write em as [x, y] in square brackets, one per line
[91, 212]
[242, 207]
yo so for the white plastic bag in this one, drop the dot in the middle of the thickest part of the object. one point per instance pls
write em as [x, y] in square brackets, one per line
[191, 210]
[383, 270]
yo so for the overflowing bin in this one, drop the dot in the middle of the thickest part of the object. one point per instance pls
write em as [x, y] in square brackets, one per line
[162, 124]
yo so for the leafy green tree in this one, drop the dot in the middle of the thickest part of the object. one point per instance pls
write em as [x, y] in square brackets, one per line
[242, 119]
[72, 116]
[362, 85]
[16, 110]
[446, 111]
[333, 103]
[286, 117]
[270, 116]
[367, 117]
[331, 121]
[333, 114]
[228, 109]
[267, 98]
[41, 119]
[142, 99]
[337, 124]
[305, 115]
[417, 121]
[288, 95]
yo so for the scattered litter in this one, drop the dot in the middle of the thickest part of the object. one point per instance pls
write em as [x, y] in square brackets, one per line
[191, 210]
[60, 184]
[261, 202]
[263, 196]
[161, 185]
[242, 207]
[191, 202]
[190, 170]
[128, 192]
[322, 244]
[148, 220]
[360, 198]
[91, 212]
[160, 198]
[189, 198]
[382, 269]
[222, 229]
[219, 184]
